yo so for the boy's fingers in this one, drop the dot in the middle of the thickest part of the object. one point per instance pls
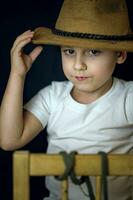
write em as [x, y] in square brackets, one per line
[18, 48]
[25, 35]
[26, 32]
[35, 53]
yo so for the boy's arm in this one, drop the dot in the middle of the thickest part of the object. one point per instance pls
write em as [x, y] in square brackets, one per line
[17, 127]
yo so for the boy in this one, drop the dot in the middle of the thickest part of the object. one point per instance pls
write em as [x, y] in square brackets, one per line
[80, 113]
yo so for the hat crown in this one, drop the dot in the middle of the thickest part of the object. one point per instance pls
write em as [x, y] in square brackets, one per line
[94, 17]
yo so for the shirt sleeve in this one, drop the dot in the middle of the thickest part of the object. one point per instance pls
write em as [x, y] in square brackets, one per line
[40, 105]
[129, 103]
[44, 103]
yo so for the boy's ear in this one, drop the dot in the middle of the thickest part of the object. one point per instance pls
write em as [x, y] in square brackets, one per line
[121, 57]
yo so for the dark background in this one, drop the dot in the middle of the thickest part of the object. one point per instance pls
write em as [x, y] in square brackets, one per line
[15, 18]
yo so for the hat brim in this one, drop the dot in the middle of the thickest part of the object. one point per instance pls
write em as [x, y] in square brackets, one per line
[43, 35]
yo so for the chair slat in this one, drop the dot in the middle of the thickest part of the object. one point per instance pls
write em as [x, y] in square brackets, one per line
[98, 188]
[21, 176]
[64, 188]
[85, 164]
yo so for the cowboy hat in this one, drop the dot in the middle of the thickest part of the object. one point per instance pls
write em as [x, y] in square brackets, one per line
[98, 24]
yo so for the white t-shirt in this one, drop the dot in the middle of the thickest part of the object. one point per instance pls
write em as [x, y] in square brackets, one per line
[103, 125]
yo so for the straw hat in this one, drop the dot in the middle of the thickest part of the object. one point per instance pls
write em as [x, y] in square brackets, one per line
[90, 23]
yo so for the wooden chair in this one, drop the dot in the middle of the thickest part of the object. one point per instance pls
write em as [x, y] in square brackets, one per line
[26, 164]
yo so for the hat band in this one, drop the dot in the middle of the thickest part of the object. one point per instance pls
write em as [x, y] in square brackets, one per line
[92, 36]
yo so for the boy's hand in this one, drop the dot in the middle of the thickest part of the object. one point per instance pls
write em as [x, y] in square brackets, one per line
[20, 62]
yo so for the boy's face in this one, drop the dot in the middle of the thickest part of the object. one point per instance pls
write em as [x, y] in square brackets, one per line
[89, 69]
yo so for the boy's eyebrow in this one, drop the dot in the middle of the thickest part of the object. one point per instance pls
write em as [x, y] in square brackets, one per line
[85, 49]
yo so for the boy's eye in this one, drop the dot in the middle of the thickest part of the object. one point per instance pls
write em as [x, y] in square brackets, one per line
[93, 52]
[69, 51]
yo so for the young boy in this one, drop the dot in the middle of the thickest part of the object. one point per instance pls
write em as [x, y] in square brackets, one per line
[90, 112]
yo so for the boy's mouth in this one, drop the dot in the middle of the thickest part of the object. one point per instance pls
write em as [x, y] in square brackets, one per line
[81, 78]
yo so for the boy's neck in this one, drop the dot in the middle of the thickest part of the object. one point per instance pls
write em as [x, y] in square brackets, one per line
[89, 97]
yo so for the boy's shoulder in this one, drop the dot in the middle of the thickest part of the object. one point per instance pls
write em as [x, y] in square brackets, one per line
[123, 84]
[58, 88]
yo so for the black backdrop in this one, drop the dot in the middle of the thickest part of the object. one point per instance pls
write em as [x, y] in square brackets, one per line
[15, 18]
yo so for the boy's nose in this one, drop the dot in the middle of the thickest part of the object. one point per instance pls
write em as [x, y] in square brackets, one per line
[80, 66]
